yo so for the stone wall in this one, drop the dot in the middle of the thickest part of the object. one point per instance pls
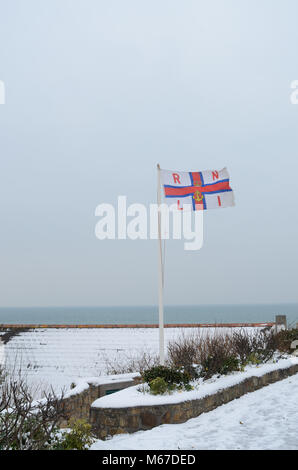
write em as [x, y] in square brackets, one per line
[76, 405]
[109, 421]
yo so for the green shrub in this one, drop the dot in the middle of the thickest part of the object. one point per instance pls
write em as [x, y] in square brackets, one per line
[219, 365]
[170, 375]
[230, 364]
[158, 386]
[252, 359]
[79, 438]
[188, 387]
[163, 379]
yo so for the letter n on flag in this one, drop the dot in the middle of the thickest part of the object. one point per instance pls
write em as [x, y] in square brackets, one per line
[197, 190]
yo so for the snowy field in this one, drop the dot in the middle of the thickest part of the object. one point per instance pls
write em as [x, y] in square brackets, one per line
[58, 357]
[265, 419]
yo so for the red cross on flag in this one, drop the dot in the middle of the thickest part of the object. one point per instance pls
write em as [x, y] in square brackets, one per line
[197, 190]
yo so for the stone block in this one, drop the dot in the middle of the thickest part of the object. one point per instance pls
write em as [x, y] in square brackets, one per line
[149, 419]
[133, 422]
[166, 418]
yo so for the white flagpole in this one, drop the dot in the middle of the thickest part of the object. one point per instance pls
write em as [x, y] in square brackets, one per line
[160, 275]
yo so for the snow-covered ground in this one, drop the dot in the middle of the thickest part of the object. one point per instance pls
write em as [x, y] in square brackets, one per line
[265, 419]
[58, 357]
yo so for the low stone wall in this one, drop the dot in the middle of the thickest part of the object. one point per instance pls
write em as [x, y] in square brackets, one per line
[109, 421]
[77, 404]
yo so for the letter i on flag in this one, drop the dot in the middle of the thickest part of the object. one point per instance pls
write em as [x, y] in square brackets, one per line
[197, 190]
[189, 190]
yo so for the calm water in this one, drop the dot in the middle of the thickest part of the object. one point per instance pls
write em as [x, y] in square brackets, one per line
[126, 315]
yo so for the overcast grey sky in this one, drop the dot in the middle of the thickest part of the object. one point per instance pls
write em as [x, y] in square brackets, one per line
[98, 92]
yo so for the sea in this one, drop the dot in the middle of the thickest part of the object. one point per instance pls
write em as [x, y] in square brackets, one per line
[249, 313]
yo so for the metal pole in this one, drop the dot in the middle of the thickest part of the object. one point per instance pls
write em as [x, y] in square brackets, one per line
[160, 275]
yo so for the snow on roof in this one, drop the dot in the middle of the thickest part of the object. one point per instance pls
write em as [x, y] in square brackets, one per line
[59, 357]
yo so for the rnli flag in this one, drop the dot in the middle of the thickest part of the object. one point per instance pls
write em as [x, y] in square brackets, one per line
[197, 190]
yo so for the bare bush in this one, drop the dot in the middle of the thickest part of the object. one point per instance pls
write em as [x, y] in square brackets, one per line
[283, 339]
[184, 352]
[260, 344]
[204, 354]
[27, 424]
[222, 352]
[2, 374]
[130, 364]
[212, 352]
[243, 344]
[216, 355]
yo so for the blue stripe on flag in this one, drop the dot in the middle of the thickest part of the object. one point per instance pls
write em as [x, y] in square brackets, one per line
[169, 186]
[219, 191]
[203, 184]
[192, 199]
[215, 182]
